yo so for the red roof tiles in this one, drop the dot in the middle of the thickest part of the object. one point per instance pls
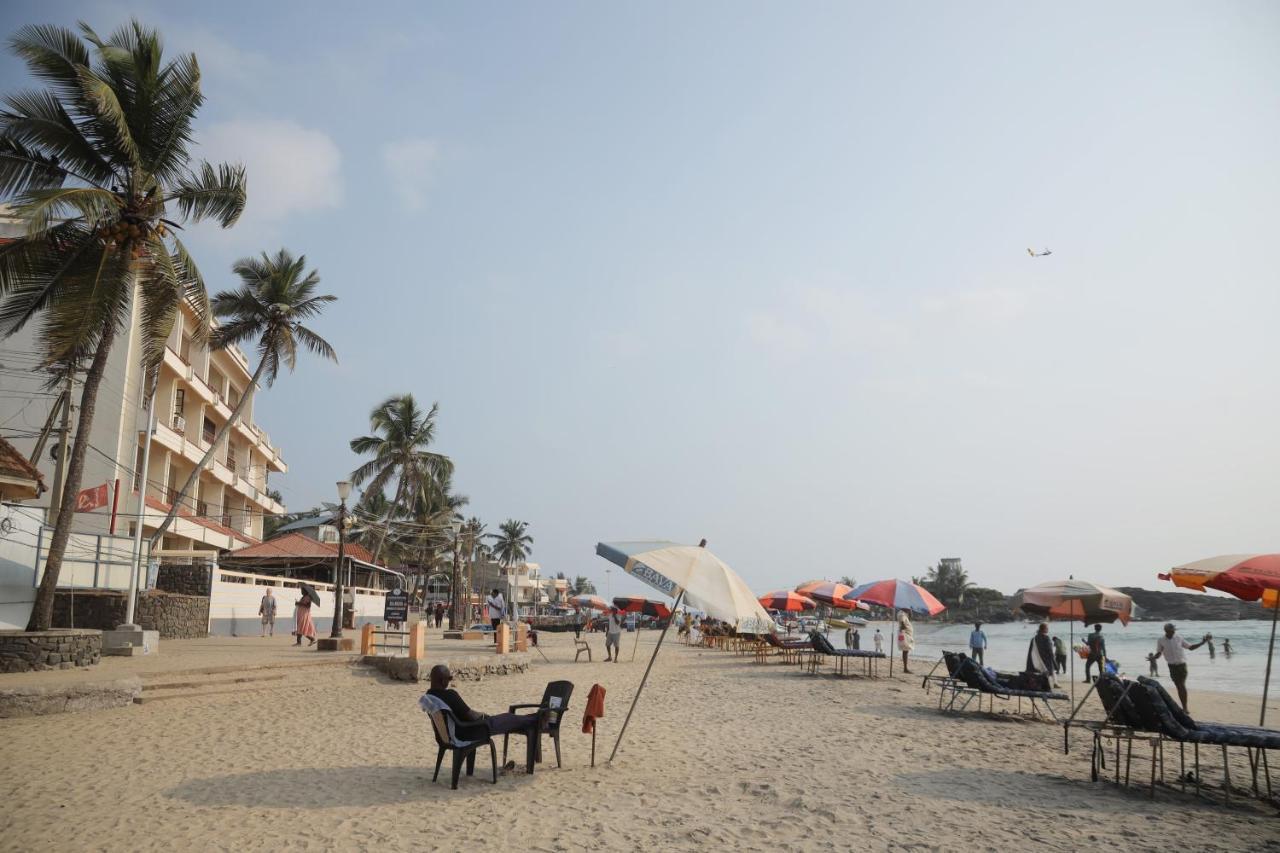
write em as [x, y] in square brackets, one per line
[297, 546]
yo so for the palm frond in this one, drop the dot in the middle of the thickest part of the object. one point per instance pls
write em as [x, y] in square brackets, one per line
[219, 193]
[38, 209]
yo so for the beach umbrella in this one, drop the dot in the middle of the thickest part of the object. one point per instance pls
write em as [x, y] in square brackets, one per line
[830, 593]
[1246, 576]
[310, 592]
[588, 602]
[786, 600]
[899, 595]
[643, 606]
[686, 572]
[1073, 599]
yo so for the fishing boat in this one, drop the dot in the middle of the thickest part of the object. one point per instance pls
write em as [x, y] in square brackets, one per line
[850, 622]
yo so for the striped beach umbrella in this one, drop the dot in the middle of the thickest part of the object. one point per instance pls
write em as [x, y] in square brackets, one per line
[588, 602]
[788, 601]
[643, 606]
[1075, 600]
[899, 595]
[830, 593]
[1246, 576]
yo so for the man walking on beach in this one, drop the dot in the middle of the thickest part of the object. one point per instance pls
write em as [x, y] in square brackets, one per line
[1097, 652]
[496, 608]
[613, 636]
[879, 638]
[1059, 655]
[977, 644]
[267, 610]
[439, 613]
[1173, 649]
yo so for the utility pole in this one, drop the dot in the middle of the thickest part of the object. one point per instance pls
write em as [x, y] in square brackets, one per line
[55, 498]
[47, 429]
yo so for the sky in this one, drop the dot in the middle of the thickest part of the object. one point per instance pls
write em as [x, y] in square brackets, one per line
[758, 273]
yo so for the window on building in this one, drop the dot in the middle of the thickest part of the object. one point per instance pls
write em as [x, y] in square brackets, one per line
[209, 431]
[137, 469]
[179, 401]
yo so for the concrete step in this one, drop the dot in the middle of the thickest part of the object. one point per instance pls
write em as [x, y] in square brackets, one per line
[146, 699]
[202, 683]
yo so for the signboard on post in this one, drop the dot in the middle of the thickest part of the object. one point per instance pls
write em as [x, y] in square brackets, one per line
[396, 607]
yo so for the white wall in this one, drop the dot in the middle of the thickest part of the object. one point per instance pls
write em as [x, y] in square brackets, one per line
[233, 604]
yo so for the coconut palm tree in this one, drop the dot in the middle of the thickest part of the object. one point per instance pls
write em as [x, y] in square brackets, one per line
[275, 295]
[510, 543]
[401, 435]
[96, 166]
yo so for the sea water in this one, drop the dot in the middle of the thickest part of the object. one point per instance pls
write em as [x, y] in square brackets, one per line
[1007, 643]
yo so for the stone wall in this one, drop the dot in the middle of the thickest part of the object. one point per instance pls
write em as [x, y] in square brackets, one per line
[176, 617]
[184, 579]
[21, 651]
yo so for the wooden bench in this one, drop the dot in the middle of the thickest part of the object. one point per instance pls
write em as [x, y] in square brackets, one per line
[580, 646]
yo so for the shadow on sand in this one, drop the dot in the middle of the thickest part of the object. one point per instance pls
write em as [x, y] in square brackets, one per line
[333, 787]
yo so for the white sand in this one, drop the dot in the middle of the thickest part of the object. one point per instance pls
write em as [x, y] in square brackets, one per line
[722, 753]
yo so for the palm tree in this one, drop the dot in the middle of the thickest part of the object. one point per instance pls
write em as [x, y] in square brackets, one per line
[275, 295]
[401, 435]
[510, 543]
[97, 168]
[582, 586]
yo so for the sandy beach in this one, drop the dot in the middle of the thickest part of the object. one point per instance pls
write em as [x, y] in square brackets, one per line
[722, 753]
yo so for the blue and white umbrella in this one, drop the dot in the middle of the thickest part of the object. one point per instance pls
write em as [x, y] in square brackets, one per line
[708, 583]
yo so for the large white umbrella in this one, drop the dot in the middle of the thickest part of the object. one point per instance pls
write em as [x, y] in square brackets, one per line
[692, 573]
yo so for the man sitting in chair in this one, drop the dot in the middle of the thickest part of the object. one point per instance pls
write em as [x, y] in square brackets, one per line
[471, 723]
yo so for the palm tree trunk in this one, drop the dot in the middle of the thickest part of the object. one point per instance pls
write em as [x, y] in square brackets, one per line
[386, 527]
[208, 455]
[42, 609]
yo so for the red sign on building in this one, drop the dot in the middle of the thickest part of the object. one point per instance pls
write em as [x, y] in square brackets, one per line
[90, 499]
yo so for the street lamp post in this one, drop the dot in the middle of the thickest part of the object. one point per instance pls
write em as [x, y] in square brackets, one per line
[344, 491]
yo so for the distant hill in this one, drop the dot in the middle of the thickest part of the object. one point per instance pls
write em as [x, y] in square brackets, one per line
[1171, 606]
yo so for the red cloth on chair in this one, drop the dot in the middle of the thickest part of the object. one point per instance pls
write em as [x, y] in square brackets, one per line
[595, 708]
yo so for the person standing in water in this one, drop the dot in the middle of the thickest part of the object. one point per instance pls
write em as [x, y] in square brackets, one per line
[1226, 647]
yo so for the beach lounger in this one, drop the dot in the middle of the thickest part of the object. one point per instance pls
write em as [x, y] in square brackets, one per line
[787, 648]
[553, 707]
[976, 678]
[822, 648]
[951, 689]
[445, 726]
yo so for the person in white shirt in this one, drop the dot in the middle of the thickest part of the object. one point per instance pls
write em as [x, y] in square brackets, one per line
[495, 609]
[613, 635]
[1174, 651]
[879, 638]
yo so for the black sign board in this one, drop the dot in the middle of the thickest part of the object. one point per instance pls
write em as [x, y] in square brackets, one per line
[396, 608]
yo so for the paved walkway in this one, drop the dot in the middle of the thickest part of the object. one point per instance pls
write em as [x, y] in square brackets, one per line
[228, 654]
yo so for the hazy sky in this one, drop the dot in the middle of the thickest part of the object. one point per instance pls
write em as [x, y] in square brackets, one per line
[758, 272]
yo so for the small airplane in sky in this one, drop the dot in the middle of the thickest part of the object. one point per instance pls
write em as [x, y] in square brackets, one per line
[1033, 253]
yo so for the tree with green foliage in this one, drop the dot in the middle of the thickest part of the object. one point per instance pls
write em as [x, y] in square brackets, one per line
[401, 434]
[275, 296]
[511, 542]
[97, 168]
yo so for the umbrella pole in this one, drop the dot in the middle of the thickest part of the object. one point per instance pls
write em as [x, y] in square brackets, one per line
[893, 641]
[1266, 683]
[1072, 657]
[645, 678]
[637, 644]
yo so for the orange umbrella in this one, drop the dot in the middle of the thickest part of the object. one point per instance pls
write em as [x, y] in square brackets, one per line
[1248, 577]
[786, 600]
